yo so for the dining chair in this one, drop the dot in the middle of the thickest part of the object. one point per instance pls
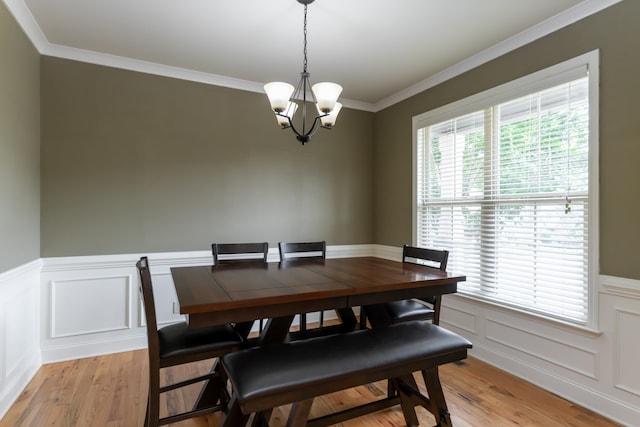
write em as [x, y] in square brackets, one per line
[177, 344]
[427, 308]
[307, 250]
[229, 253]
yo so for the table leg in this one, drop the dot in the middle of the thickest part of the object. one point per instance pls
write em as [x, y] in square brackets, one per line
[244, 328]
[347, 317]
[275, 330]
[378, 315]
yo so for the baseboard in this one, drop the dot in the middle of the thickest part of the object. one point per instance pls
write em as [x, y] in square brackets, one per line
[93, 348]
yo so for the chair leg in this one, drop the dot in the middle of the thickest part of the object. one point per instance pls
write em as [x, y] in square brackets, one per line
[212, 391]
[234, 416]
[261, 419]
[299, 413]
[153, 402]
[321, 319]
[146, 414]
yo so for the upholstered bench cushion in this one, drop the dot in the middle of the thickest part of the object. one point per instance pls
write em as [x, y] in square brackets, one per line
[178, 339]
[274, 375]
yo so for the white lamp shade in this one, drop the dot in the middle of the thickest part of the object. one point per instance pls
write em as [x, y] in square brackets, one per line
[330, 120]
[279, 94]
[326, 95]
[289, 112]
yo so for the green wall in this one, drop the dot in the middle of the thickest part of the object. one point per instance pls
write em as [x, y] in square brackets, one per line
[19, 146]
[133, 162]
[616, 32]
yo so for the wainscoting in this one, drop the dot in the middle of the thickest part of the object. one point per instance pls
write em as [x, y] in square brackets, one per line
[20, 356]
[597, 370]
[66, 308]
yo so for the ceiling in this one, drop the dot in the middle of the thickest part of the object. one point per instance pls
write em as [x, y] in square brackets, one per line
[379, 51]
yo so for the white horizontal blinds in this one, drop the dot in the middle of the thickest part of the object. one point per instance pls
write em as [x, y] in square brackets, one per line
[449, 201]
[505, 189]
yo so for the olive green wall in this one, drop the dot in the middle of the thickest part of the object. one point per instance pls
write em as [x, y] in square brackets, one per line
[134, 163]
[616, 32]
[19, 146]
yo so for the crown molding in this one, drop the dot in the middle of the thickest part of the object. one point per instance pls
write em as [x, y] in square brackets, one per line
[569, 16]
[25, 19]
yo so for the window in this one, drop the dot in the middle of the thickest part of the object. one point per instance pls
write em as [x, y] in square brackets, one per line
[506, 181]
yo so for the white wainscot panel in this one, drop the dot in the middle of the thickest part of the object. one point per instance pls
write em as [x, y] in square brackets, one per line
[22, 317]
[89, 305]
[563, 354]
[458, 318]
[627, 351]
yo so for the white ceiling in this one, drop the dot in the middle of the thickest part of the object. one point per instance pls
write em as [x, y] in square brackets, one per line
[379, 51]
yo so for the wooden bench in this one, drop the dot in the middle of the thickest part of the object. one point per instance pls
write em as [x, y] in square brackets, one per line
[263, 378]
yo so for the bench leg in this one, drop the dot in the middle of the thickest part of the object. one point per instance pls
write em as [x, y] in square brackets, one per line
[436, 397]
[299, 413]
[234, 416]
[406, 401]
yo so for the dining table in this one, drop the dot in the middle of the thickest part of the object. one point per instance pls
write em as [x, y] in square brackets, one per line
[243, 292]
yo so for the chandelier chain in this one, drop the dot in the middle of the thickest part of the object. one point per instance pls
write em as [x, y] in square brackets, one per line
[304, 64]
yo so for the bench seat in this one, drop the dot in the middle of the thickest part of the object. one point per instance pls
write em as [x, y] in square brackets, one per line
[263, 378]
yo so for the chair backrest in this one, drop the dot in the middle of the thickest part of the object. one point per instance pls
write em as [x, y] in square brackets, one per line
[430, 257]
[146, 293]
[239, 252]
[316, 250]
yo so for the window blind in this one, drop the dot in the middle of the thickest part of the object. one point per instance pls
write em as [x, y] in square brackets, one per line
[505, 189]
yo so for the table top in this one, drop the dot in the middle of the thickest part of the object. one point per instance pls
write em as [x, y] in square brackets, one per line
[240, 292]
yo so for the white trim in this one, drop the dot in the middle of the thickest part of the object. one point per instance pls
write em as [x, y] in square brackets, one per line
[32, 266]
[626, 288]
[25, 19]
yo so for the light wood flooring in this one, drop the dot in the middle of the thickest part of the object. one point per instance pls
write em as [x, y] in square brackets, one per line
[109, 391]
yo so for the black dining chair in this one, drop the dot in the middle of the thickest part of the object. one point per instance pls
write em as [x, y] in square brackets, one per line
[306, 250]
[177, 344]
[427, 308]
[230, 253]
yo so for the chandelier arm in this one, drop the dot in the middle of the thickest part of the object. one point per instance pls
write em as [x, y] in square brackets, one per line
[304, 136]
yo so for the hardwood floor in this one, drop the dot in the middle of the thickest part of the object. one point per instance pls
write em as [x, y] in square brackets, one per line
[110, 391]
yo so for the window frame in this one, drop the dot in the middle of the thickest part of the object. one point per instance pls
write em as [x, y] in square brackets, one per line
[557, 74]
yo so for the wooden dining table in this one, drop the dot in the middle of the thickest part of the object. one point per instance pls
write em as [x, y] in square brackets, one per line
[246, 291]
[243, 292]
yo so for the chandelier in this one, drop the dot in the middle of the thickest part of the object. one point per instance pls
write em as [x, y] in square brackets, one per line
[282, 97]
